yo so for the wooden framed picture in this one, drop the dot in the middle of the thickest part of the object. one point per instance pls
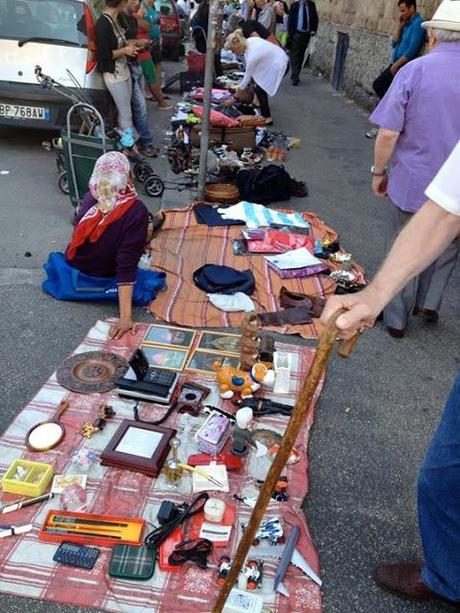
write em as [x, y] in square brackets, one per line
[139, 447]
[202, 361]
[219, 342]
[165, 357]
[170, 336]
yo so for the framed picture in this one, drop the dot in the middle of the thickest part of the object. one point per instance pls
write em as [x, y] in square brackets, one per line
[139, 447]
[165, 357]
[170, 336]
[202, 361]
[219, 342]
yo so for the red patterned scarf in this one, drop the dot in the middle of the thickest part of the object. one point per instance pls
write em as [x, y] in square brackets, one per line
[94, 223]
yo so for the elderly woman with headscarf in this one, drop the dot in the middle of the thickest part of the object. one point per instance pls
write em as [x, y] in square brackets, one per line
[265, 64]
[113, 228]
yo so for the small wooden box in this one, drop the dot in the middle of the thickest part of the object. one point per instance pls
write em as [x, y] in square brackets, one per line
[238, 137]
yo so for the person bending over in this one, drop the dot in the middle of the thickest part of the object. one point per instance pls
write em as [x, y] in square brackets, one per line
[265, 63]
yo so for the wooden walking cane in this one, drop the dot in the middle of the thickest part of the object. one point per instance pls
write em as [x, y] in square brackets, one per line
[324, 349]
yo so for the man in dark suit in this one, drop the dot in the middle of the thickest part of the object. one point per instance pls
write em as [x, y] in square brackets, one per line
[303, 23]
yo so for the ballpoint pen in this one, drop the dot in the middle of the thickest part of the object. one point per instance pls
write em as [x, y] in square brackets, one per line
[77, 527]
[81, 520]
[15, 506]
[77, 533]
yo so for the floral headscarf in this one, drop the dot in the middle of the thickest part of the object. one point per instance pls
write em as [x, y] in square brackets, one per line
[109, 180]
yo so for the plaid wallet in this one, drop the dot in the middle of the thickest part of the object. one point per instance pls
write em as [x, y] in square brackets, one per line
[130, 562]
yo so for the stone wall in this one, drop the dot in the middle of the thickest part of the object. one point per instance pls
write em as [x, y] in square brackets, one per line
[369, 25]
[374, 15]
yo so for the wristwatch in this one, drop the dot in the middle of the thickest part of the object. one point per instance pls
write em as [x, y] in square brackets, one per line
[378, 174]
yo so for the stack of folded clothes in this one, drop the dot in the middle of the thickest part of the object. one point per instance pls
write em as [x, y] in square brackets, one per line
[296, 264]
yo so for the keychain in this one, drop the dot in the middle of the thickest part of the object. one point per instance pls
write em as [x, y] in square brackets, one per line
[105, 412]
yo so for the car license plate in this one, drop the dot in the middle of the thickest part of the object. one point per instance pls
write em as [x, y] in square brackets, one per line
[19, 111]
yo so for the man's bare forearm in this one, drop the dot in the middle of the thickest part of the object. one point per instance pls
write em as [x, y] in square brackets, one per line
[418, 245]
[398, 64]
[384, 148]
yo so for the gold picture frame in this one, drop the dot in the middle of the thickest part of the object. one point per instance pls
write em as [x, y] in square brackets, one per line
[202, 361]
[169, 336]
[169, 358]
[222, 343]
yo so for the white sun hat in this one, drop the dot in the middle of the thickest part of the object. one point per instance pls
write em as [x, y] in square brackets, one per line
[447, 17]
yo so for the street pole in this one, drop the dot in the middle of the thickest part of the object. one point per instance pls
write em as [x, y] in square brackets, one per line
[208, 78]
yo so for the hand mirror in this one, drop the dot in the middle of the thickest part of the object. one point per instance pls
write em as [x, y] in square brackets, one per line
[47, 434]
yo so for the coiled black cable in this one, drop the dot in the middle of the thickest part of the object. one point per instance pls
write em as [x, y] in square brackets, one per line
[160, 534]
[195, 550]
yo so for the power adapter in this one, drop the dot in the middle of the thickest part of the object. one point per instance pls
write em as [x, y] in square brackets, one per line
[167, 512]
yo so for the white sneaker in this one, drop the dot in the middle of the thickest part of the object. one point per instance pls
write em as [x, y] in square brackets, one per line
[372, 133]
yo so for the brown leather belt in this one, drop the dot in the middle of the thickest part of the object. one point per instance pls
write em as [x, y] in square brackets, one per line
[297, 315]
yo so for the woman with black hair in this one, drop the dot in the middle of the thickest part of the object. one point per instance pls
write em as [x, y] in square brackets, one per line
[113, 53]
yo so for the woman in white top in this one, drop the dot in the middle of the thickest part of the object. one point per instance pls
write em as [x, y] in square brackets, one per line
[265, 64]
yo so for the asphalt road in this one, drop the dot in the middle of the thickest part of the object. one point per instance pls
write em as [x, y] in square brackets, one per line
[378, 409]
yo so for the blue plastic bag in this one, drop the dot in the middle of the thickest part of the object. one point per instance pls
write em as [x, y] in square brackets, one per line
[64, 282]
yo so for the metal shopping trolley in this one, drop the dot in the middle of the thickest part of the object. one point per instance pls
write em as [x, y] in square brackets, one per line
[84, 139]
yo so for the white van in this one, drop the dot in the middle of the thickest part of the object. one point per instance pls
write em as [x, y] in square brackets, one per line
[57, 35]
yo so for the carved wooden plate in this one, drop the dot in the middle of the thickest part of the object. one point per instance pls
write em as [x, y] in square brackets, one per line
[91, 372]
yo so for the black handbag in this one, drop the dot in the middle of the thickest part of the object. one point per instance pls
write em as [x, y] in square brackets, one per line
[270, 184]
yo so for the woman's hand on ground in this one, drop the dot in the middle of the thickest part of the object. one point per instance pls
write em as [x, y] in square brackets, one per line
[363, 309]
[120, 328]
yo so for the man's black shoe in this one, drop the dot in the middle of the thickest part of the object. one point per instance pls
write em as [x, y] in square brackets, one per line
[295, 81]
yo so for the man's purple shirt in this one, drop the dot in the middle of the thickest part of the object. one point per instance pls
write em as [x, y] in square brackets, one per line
[423, 104]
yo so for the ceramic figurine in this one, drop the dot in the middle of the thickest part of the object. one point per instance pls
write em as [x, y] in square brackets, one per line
[249, 341]
[223, 569]
[254, 573]
[279, 493]
[242, 435]
[231, 380]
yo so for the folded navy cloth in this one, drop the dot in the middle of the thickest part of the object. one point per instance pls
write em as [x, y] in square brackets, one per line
[216, 279]
[208, 215]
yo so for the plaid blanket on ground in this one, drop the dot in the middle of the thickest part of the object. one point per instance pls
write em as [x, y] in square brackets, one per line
[183, 246]
[26, 564]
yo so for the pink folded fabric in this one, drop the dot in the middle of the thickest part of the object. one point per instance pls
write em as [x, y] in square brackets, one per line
[216, 118]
